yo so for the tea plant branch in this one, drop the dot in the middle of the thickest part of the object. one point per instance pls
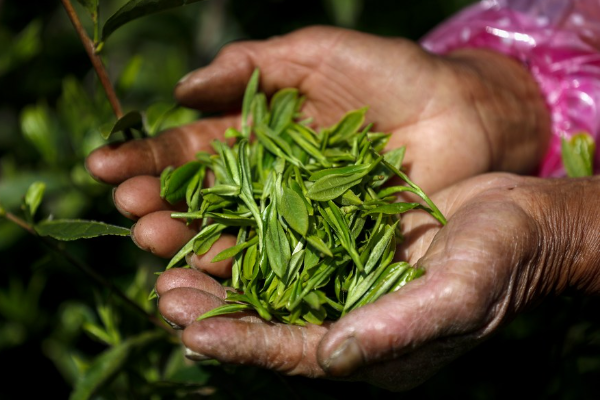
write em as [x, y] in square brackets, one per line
[87, 270]
[97, 63]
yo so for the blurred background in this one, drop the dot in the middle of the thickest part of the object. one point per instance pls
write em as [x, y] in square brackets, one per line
[59, 325]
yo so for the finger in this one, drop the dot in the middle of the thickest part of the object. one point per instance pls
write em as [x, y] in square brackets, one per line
[221, 269]
[188, 278]
[114, 163]
[160, 234]
[284, 348]
[181, 306]
[139, 196]
[285, 61]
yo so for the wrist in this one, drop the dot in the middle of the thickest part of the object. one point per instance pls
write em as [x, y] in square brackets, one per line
[568, 218]
[511, 108]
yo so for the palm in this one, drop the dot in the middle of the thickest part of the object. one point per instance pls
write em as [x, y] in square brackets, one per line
[475, 273]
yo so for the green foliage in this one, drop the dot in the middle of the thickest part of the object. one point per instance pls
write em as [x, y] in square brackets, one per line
[20, 48]
[109, 363]
[72, 229]
[263, 183]
[55, 323]
[135, 9]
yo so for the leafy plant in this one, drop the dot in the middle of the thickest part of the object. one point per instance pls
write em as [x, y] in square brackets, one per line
[316, 233]
[59, 322]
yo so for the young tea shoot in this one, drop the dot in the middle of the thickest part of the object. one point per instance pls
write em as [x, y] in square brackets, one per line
[316, 229]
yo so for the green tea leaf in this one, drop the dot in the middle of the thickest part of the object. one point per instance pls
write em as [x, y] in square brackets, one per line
[176, 183]
[74, 229]
[277, 245]
[34, 196]
[259, 109]
[319, 245]
[189, 246]
[293, 210]
[231, 219]
[342, 171]
[249, 264]
[379, 248]
[578, 155]
[192, 192]
[232, 251]
[224, 310]
[203, 245]
[410, 274]
[383, 284]
[394, 208]
[249, 95]
[222, 190]
[283, 107]
[331, 186]
[395, 158]
[348, 126]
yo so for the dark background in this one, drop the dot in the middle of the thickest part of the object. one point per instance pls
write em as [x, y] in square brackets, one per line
[51, 111]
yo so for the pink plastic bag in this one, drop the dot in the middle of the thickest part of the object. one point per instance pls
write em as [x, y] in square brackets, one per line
[557, 40]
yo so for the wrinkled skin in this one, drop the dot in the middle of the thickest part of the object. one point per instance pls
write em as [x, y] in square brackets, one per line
[459, 117]
[499, 255]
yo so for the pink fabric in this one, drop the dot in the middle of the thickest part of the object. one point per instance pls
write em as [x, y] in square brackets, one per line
[558, 40]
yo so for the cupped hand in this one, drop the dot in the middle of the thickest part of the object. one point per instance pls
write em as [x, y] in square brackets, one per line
[510, 241]
[469, 112]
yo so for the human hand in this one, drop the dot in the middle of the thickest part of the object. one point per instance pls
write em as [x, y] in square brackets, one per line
[510, 242]
[470, 112]
[459, 116]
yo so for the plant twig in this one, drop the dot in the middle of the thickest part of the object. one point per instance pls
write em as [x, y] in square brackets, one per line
[97, 63]
[87, 270]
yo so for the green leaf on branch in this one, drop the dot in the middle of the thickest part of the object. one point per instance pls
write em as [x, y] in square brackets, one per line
[131, 120]
[135, 9]
[578, 155]
[108, 364]
[34, 196]
[39, 127]
[74, 229]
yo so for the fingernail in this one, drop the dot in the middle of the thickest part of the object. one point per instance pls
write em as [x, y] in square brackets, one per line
[184, 78]
[188, 259]
[172, 324]
[123, 212]
[195, 356]
[132, 235]
[345, 359]
[87, 169]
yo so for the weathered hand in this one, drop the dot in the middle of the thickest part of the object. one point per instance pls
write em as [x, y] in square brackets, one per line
[459, 115]
[510, 242]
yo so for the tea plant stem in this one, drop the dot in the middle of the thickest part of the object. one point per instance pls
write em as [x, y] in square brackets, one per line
[97, 63]
[87, 270]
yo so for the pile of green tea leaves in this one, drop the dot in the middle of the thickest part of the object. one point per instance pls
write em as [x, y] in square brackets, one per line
[316, 230]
